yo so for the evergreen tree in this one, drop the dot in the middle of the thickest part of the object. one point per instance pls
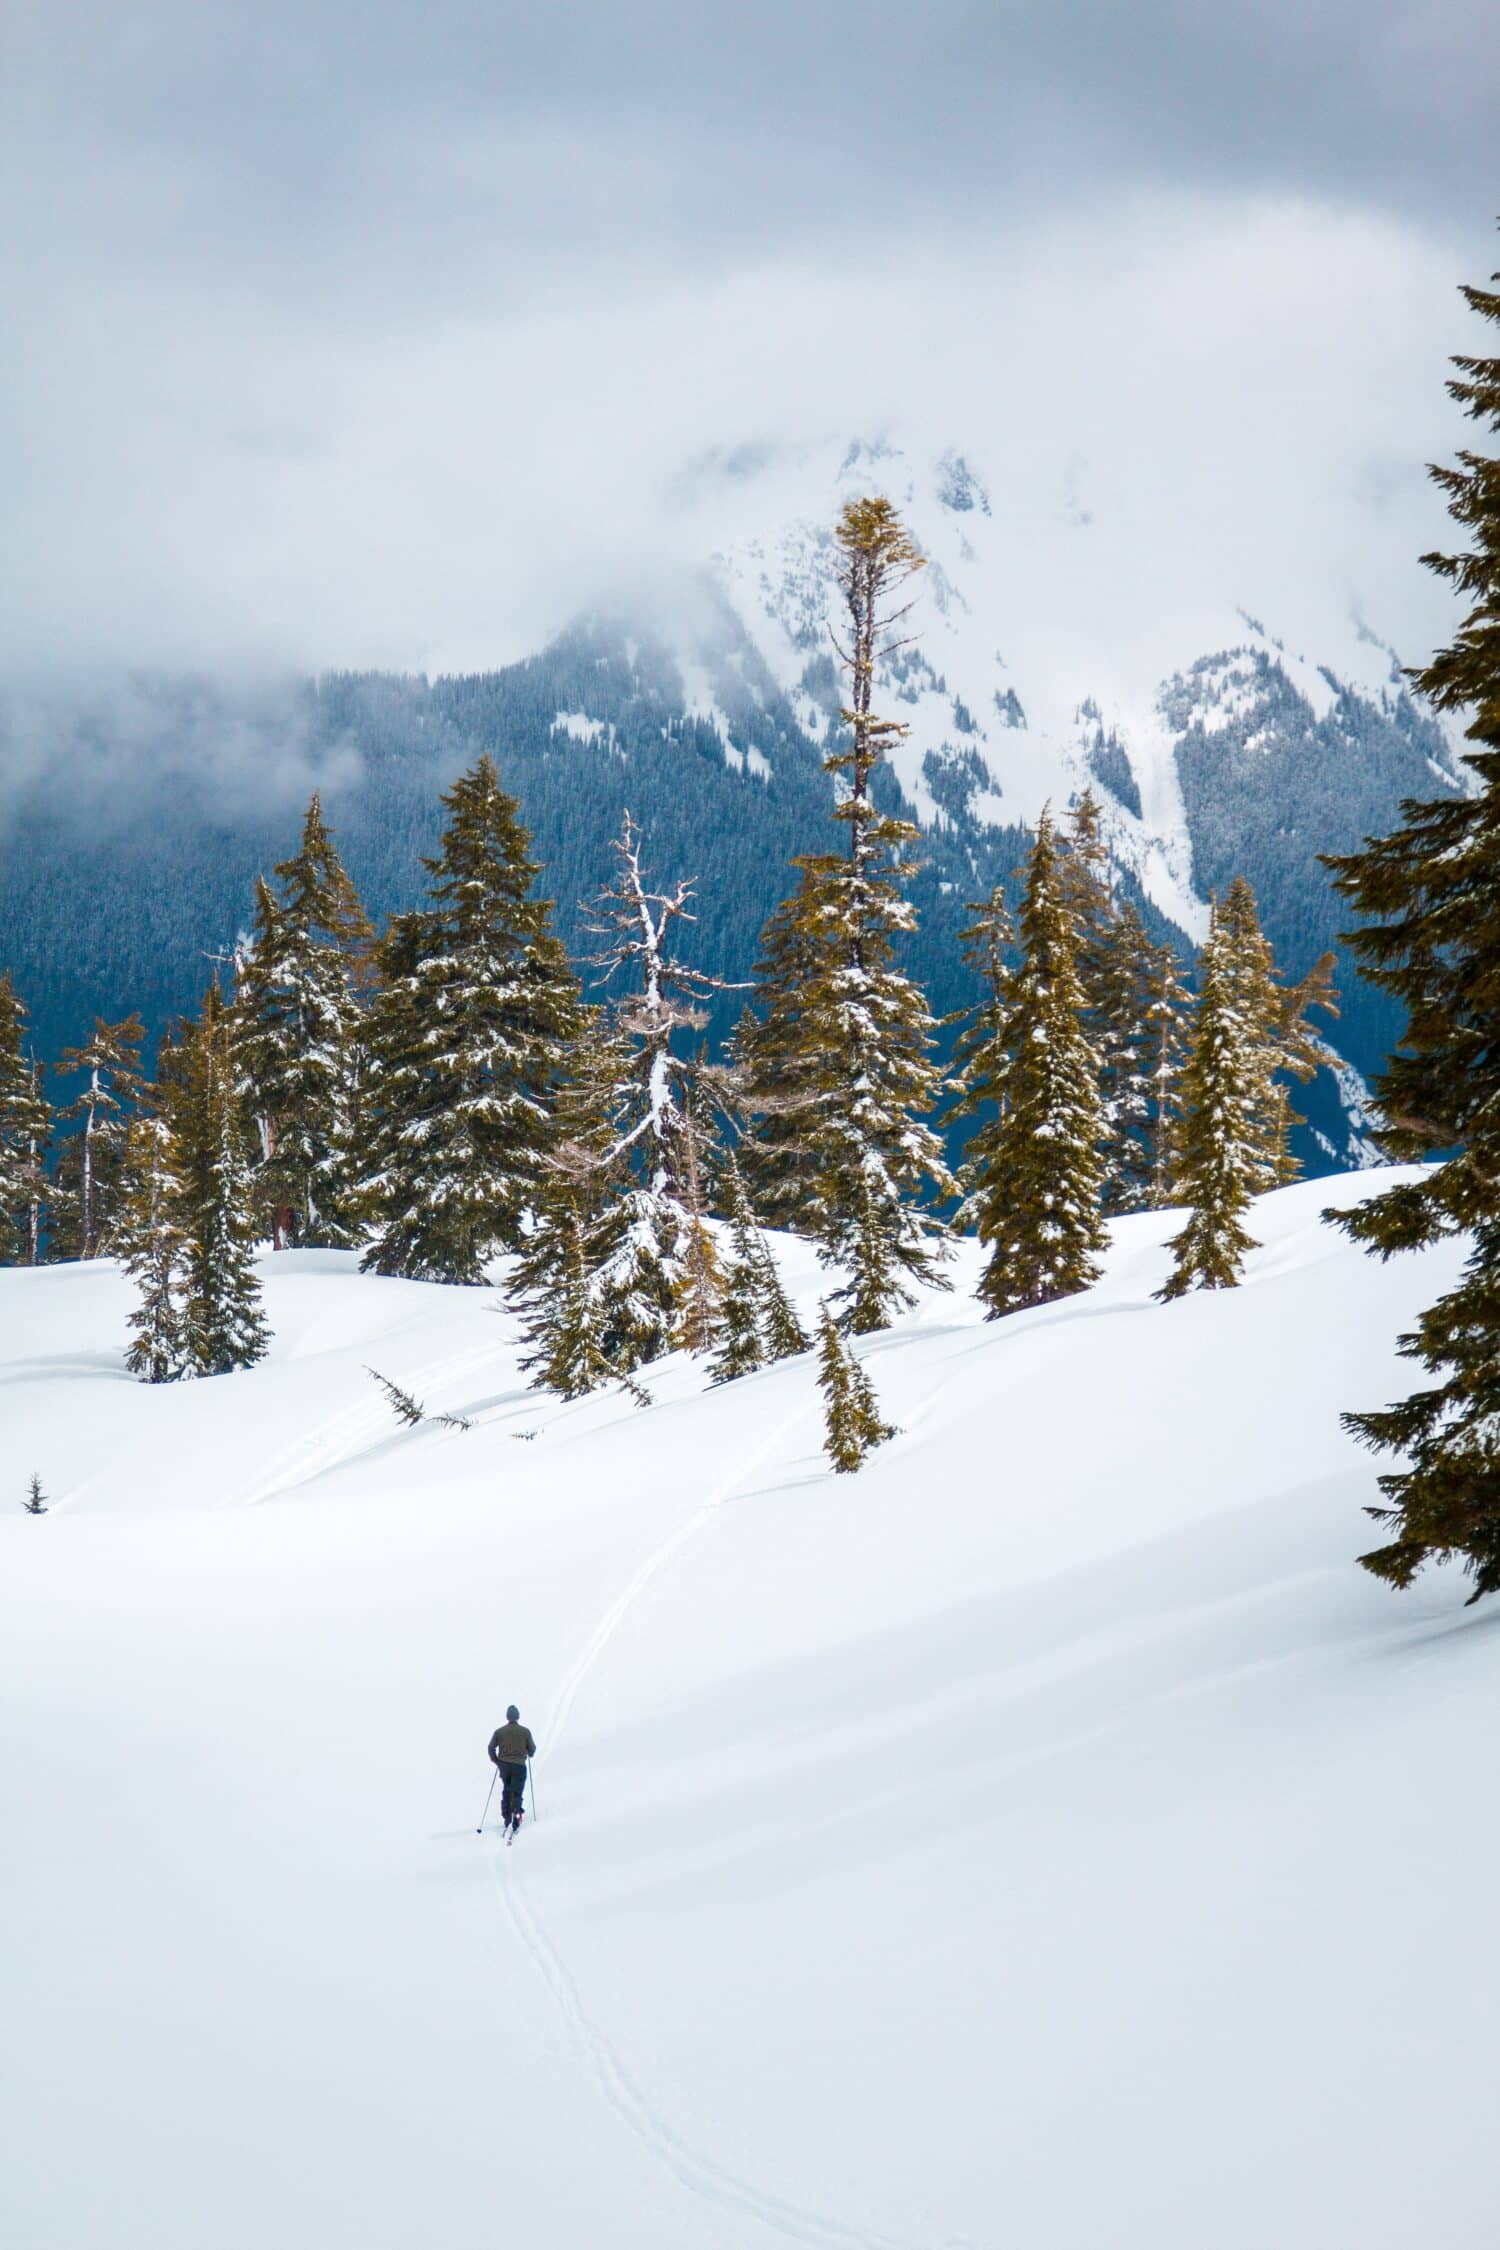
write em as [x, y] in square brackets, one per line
[1275, 1014]
[779, 1071]
[222, 1324]
[852, 1076]
[589, 1298]
[700, 1290]
[467, 1039]
[1127, 1033]
[35, 1502]
[25, 1134]
[1168, 1023]
[741, 1347]
[299, 1038]
[987, 943]
[782, 1333]
[568, 1332]
[1035, 1164]
[86, 1187]
[1089, 894]
[1220, 1149]
[151, 1245]
[852, 1421]
[759, 1324]
[1432, 892]
[1117, 972]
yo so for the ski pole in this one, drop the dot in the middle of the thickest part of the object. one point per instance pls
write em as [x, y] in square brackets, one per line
[479, 1831]
[531, 1777]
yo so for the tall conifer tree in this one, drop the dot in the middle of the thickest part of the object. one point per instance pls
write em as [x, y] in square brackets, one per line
[853, 1061]
[700, 1292]
[25, 1134]
[779, 1070]
[300, 1039]
[1126, 1033]
[1088, 889]
[1220, 1152]
[151, 1245]
[1168, 1024]
[467, 1038]
[588, 1281]
[1431, 891]
[1286, 1044]
[86, 1187]
[1035, 1165]
[223, 1327]
[987, 943]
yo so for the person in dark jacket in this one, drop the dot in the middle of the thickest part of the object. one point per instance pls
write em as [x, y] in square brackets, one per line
[510, 1747]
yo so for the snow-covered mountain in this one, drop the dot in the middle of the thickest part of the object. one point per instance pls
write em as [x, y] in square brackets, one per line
[1032, 673]
[1041, 660]
[1012, 1844]
[1220, 736]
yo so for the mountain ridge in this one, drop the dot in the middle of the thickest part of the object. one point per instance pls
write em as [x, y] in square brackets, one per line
[139, 818]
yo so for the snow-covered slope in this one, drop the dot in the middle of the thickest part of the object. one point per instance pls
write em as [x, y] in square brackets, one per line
[1046, 1838]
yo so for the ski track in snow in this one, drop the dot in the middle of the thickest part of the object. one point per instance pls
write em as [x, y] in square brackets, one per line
[333, 1443]
[610, 1623]
[694, 2171]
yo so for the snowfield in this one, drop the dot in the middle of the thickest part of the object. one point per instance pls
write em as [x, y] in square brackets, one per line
[1045, 1840]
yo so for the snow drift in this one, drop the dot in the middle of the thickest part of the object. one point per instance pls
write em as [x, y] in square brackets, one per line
[1047, 1837]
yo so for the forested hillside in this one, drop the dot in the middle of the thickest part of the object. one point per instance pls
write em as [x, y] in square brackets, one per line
[138, 819]
[126, 909]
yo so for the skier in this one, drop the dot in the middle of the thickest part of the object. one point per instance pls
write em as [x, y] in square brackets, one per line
[510, 1747]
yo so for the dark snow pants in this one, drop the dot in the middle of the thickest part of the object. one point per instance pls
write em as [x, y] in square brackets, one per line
[512, 1788]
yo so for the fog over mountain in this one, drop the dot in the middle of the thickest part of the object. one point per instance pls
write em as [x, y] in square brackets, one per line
[363, 337]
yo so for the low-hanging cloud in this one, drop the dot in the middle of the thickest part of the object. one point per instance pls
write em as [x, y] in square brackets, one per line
[375, 338]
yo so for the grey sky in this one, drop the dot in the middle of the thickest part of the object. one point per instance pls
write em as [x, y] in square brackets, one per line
[374, 334]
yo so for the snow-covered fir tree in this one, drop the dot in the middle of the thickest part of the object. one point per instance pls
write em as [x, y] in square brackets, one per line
[467, 1038]
[223, 1327]
[1220, 1156]
[1034, 1165]
[1089, 891]
[1168, 1022]
[25, 1136]
[590, 1300]
[1117, 972]
[1126, 1033]
[987, 942]
[1431, 895]
[86, 1185]
[35, 1502]
[852, 1423]
[568, 1331]
[299, 1017]
[1287, 1044]
[759, 1322]
[151, 1245]
[852, 1074]
[700, 1292]
[779, 1072]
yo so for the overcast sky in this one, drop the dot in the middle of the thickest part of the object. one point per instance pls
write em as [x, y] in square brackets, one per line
[379, 334]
